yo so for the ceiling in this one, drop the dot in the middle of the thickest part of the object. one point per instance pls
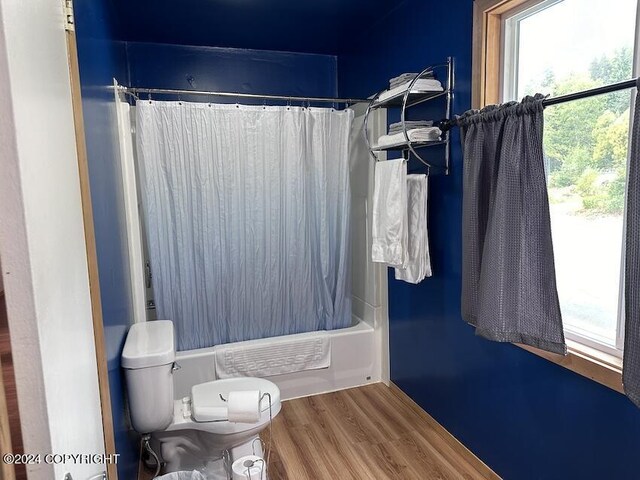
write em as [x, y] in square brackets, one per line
[310, 26]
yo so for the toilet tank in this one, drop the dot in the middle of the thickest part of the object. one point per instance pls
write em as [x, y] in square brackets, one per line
[147, 358]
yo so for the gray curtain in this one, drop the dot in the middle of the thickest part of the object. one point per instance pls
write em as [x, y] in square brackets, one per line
[508, 275]
[631, 361]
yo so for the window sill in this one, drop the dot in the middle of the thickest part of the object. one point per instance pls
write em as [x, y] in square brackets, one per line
[602, 367]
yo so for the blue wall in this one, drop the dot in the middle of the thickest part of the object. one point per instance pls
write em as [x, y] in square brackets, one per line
[306, 26]
[231, 70]
[525, 417]
[101, 58]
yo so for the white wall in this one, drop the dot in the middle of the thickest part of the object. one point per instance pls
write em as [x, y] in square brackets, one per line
[137, 281]
[42, 242]
[369, 280]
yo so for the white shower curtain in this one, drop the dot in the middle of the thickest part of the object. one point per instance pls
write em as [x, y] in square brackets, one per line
[247, 218]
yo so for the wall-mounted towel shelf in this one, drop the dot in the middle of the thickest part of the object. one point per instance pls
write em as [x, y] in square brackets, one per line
[410, 96]
[405, 145]
[415, 98]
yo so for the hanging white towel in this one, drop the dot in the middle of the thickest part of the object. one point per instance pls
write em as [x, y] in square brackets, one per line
[389, 227]
[418, 264]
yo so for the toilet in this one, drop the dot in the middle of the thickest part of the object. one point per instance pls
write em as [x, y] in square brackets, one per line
[191, 433]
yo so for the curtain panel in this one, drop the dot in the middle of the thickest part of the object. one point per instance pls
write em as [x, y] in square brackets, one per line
[508, 274]
[631, 355]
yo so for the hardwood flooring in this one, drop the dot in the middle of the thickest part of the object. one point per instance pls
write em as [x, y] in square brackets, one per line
[373, 432]
[10, 388]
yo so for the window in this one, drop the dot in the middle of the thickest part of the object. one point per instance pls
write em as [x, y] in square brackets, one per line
[556, 47]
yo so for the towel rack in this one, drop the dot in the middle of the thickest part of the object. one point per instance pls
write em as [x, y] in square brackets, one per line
[410, 98]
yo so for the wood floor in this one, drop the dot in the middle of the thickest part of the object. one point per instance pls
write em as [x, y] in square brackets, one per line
[10, 388]
[370, 433]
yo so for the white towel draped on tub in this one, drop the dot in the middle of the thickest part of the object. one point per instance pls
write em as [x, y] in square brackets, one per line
[418, 262]
[274, 356]
[389, 227]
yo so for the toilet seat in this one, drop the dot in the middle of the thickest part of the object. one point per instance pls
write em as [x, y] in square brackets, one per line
[208, 395]
[208, 402]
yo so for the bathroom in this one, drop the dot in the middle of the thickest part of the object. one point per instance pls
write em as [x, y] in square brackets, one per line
[404, 386]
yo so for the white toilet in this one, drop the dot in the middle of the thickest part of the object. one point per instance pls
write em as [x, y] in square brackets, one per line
[190, 433]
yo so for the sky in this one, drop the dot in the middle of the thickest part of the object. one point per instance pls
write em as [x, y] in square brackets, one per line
[568, 35]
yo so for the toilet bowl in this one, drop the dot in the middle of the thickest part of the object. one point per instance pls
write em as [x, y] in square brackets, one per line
[192, 442]
[192, 433]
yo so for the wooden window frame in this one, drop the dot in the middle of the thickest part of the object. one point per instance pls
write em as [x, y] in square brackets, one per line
[486, 85]
[487, 48]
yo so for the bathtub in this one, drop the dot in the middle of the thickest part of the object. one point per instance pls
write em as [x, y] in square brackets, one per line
[353, 362]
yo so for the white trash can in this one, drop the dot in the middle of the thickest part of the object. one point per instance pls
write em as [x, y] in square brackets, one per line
[195, 475]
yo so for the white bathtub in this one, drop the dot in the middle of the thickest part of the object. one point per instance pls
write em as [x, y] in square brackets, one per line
[353, 363]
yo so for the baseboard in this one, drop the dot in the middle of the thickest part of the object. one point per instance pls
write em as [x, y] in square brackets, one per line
[449, 439]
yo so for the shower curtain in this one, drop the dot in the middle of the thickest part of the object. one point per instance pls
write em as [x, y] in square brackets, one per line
[246, 210]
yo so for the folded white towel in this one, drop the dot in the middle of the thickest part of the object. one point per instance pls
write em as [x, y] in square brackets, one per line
[389, 228]
[407, 77]
[403, 78]
[427, 134]
[410, 125]
[422, 85]
[418, 262]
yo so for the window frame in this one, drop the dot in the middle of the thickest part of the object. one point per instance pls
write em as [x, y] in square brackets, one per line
[586, 355]
[509, 71]
[510, 25]
[487, 51]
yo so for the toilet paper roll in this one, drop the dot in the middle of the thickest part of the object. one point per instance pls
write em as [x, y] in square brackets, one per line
[244, 407]
[249, 467]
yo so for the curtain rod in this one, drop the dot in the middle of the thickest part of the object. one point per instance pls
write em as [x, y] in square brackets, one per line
[170, 91]
[614, 87]
[569, 97]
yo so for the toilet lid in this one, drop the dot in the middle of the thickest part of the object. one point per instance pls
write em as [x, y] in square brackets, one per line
[208, 399]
